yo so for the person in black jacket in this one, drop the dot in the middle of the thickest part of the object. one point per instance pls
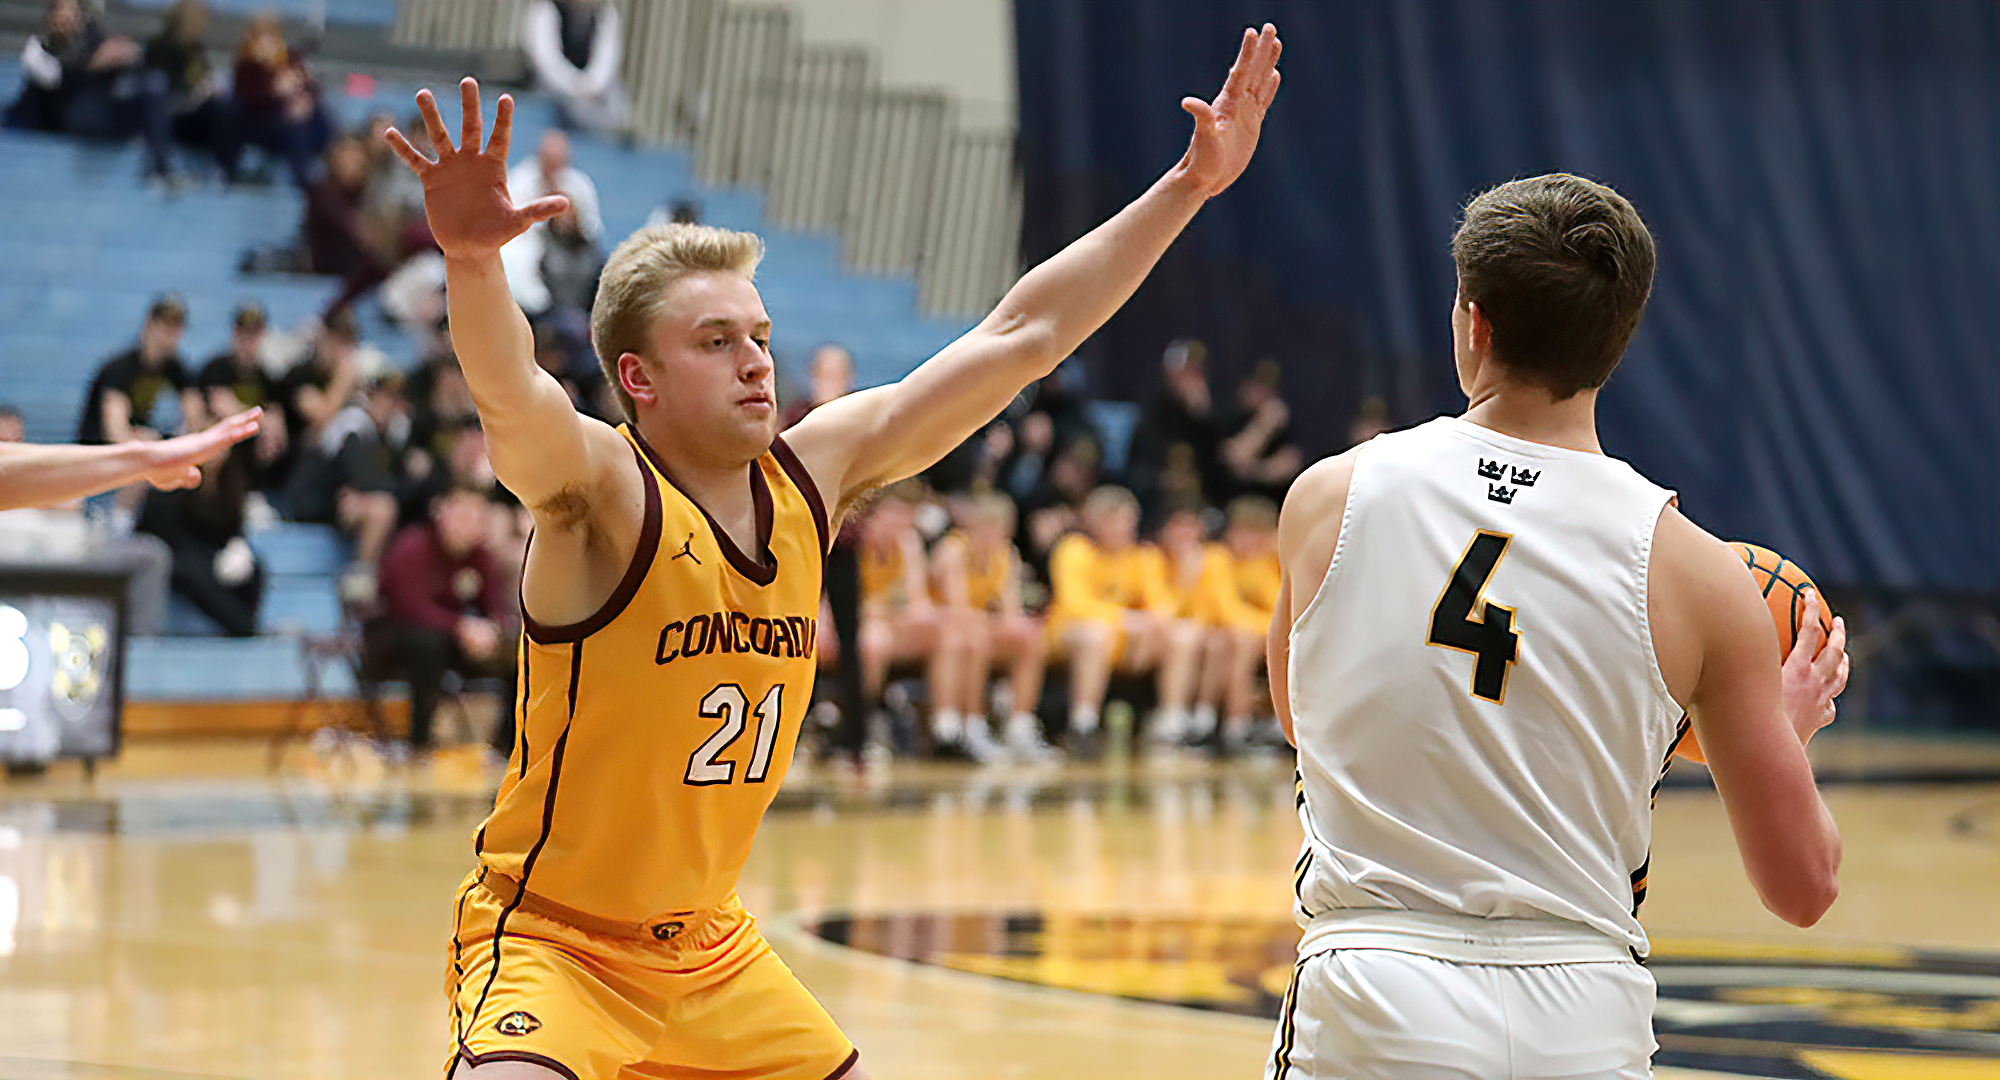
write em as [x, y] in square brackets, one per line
[214, 568]
[80, 80]
[198, 112]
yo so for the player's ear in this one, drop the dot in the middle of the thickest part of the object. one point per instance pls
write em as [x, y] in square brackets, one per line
[1479, 329]
[637, 381]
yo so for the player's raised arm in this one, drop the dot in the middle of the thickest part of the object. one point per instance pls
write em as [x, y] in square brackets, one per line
[540, 447]
[1753, 719]
[882, 435]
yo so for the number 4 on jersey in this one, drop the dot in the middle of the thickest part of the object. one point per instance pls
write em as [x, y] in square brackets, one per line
[1492, 638]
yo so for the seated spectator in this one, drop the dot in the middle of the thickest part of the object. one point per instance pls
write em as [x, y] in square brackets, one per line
[357, 463]
[440, 404]
[321, 384]
[340, 237]
[552, 268]
[898, 621]
[335, 241]
[82, 81]
[213, 566]
[1183, 572]
[345, 473]
[574, 47]
[977, 576]
[1237, 609]
[119, 404]
[1107, 612]
[1180, 412]
[444, 608]
[1055, 506]
[198, 113]
[1260, 455]
[277, 103]
[235, 380]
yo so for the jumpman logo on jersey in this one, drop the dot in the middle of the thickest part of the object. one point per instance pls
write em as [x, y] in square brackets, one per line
[687, 550]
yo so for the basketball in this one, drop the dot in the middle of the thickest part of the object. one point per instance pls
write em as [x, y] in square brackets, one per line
[1784, 586]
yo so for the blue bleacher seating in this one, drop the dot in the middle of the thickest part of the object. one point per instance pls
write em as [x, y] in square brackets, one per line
[288, 549]
[353, 12]
[87, 246]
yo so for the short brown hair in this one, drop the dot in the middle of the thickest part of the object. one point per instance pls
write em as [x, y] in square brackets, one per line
[635, 282]
[1562, 267]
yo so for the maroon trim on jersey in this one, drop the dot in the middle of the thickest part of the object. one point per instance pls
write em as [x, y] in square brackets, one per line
[628, 586]
[473, 1060]
[759, 573]
[803, 480]
[853, 1059]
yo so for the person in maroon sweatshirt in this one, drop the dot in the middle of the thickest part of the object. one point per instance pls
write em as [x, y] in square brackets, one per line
[444, 608]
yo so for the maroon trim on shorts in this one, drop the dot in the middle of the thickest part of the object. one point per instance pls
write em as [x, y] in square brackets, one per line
[853, 1059]
[628, 586]
[466, 1055]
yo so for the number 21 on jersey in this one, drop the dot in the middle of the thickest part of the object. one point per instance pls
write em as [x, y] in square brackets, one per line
[1491, 638]
[729, 704]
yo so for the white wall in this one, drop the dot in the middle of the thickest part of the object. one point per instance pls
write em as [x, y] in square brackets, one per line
[964, 46]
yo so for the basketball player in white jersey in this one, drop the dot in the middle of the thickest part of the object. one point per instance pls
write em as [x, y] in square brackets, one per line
[1487, 640]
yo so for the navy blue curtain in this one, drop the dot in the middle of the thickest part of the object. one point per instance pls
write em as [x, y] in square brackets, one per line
[1818, 369]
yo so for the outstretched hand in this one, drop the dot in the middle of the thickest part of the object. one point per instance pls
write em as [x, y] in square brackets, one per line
[1226, 129]
[465, 189]
[174, 463]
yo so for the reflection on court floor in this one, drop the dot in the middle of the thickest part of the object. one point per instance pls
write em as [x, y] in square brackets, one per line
[1739, 1008]
[191, 915]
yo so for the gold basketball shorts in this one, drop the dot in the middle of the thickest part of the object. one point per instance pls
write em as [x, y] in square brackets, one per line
[699, 995]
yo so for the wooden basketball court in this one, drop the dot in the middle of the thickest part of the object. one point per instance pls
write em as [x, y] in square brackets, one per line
[189, 914]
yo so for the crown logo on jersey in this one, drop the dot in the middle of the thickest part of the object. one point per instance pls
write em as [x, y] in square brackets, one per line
[1492, 470]
[1500, 493]
[1525, 477]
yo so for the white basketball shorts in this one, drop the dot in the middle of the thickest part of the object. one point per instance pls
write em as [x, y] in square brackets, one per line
[1382, 1014]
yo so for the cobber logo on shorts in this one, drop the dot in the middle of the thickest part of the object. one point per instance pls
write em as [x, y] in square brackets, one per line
[517, 1023]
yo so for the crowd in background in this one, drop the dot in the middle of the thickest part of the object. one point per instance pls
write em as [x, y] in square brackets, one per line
[1022, 583]
[990, 608]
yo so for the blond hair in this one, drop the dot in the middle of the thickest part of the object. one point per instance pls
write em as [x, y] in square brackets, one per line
[634, 286]
[1107, 500]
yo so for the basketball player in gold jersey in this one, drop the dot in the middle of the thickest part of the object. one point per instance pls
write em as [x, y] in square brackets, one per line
[899, 624]
[670, 598]
[976, 575]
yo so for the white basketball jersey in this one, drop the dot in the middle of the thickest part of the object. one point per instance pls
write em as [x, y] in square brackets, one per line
[1480, 718]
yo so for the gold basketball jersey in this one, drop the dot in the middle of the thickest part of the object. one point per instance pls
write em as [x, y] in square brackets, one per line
[986, 574]
[884, 575]
[653, 735]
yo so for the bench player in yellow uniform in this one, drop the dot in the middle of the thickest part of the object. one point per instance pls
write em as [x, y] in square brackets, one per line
[1186, 575]
[976, 575]
[898, 621]
[1110, 610]
[670, 600]
[1237, 608]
